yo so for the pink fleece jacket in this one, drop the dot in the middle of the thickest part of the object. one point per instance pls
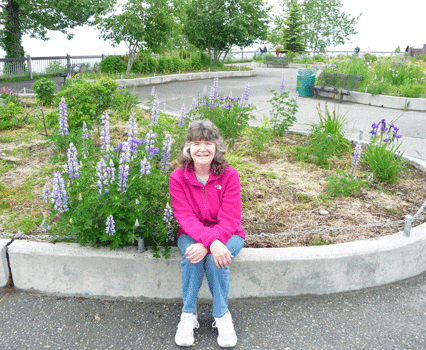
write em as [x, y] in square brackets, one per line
[209, 212]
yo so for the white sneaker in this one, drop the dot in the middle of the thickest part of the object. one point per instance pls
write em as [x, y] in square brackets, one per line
[227, 337]
[185, 331]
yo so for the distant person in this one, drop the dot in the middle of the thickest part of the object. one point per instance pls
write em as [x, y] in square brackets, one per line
[357, 50]
[407, 48]
[265, 50]
[259, 51]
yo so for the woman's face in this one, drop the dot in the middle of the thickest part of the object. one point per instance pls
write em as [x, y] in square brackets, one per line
[202, 152]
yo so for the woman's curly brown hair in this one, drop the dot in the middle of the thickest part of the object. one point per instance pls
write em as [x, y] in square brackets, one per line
[204, 130]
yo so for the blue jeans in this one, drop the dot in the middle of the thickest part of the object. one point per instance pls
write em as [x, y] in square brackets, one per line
[217, 278]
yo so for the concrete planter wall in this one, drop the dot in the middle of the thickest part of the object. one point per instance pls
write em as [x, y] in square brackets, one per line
[4, 269]
[70, 269]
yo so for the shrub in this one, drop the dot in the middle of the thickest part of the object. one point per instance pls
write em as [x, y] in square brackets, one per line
[343, 184]
[117, 194]
[113, 64]
[196, 61]
[45, 90]
[87, 100]
[230, 114]
[283, 113]
[55, 67]
[11, 115]
[165, 64]
[124, 102]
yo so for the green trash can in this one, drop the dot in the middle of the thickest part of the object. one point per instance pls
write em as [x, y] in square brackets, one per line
[305, 76]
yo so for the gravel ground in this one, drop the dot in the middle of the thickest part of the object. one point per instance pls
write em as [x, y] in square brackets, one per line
[390, 317]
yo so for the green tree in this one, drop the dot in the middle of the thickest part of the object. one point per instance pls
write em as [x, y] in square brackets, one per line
[217, 25]
[292, 38]
[326, 24]
[142, 25]
[36, 17]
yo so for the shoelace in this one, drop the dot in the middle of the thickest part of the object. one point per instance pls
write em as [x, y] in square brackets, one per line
[190, 321]
[225, 321]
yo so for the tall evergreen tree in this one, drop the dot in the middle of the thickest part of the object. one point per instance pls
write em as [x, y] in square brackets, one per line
[292, 38]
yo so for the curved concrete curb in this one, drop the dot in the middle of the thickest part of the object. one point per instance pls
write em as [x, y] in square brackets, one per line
[4, 268]
[70, 269]
[161, 79]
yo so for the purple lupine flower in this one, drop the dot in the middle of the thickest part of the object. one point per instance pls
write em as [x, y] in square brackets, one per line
[182, 116]
[59, 194]
[155, 111]
[123, 167]
[47, 194]
[205, 91]
[63, 118]
[245, 97]
[105, 174]
[85, 134]
[375, 77]
[45, 226]
[105, 137]
[168, 218]
[194, 103]
[212, 103]
[132, 131]
[150, 141]
[382, 80]
[72, 162]
[145, 167]
[282, 87]
[110, 226]
[296, 98]
[165, 157]
[356, 157]
[216, 86]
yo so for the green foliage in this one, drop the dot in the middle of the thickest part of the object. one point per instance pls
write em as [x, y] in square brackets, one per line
[137, 205]
[219, 25]
[326, 24]
[326, 139]
[11, 115]
[381, 153]
[87, 100]
[113, 64]
[292, 38]
[165, 64]
[30, 17]
[45, 89]
[259, 136]
[140, 24]
[283, 112]
[231, 115]
[124, 102]
[55, 67]
[343, 184]
[317, 241]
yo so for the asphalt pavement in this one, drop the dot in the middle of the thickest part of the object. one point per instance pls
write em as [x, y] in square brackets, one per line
[389, 317]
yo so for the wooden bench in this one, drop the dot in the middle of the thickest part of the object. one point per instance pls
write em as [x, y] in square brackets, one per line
[277, 62]
[335, 83]
[76, 68]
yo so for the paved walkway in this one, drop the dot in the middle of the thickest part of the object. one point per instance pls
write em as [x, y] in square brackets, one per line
[390, 317]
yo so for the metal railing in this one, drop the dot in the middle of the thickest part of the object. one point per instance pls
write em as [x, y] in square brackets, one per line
[32, 66]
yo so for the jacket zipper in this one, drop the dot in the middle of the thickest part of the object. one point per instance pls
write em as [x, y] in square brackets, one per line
[204, 202]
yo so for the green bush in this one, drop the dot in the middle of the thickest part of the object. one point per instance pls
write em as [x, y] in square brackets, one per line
[113, 64]
[45, 89]
[343, 184]
[196, 61]
[11, 115]
[137, 67]
[55, 67]
[165, 64]
[87, 100]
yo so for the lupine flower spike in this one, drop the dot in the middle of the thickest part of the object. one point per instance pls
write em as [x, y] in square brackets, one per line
[63, 118]
[132, 131]
[72, 162]
[110, 226]
[105, 135]
[165, 157]
[168, 218]
[282, 87]
[356, 158]
[85, 134]
[182, 116]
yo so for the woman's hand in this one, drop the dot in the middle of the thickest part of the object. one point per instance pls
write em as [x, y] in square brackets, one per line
[195, 253]
[221, 255]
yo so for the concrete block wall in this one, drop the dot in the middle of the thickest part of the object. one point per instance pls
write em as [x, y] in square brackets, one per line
[70, 269]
